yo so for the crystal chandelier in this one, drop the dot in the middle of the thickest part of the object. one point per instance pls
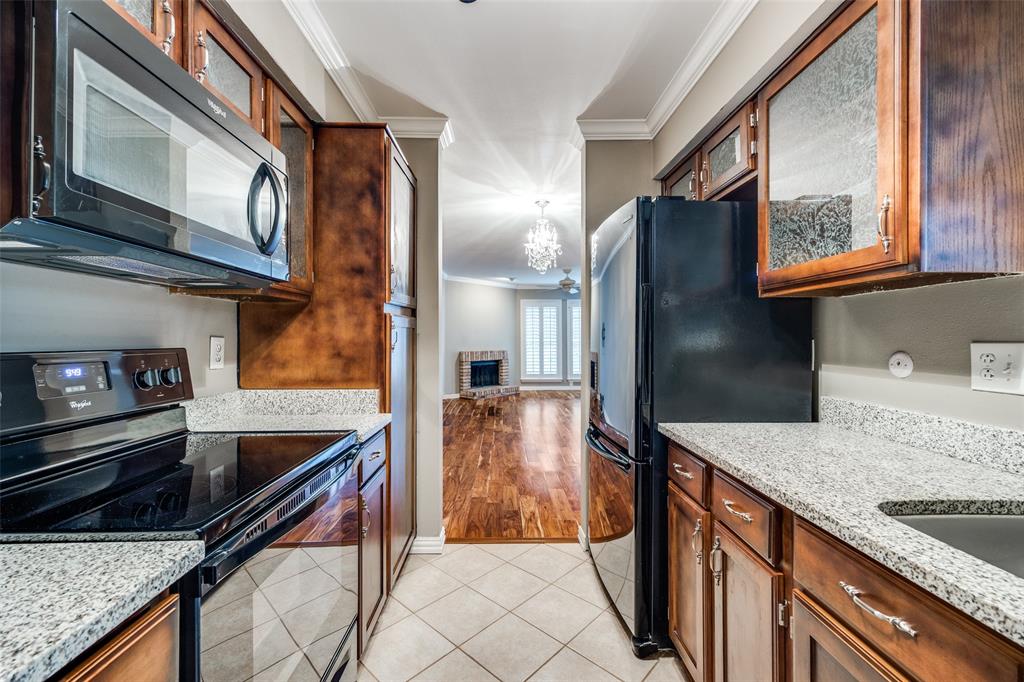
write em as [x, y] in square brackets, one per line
[542, 247]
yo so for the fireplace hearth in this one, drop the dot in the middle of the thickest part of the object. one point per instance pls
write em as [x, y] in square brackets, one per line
[484, 374]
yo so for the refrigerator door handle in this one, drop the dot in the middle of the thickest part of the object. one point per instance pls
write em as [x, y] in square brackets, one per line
[618, 460]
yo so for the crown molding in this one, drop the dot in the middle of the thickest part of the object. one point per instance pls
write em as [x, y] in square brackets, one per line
[729, 16]
[500, 285]
[423, 127]
[311, 22]
[576, 136]
[722, 26]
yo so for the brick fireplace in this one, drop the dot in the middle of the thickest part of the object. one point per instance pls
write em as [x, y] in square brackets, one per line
[479, 364]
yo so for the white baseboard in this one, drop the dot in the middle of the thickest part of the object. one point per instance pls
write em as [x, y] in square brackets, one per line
[449, 396]
[581, 537]
[428, 544]
[549, 387]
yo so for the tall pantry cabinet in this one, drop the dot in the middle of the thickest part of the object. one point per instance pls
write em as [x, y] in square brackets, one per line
[358, 329]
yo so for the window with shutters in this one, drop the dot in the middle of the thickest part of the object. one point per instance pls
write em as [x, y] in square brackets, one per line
[574, 344]
[540, 327]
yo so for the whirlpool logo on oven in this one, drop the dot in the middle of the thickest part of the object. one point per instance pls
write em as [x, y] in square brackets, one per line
[79, 404]
[217, 109]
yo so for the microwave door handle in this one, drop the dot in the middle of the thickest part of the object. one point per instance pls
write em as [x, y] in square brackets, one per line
[263, 175]
[277, 189]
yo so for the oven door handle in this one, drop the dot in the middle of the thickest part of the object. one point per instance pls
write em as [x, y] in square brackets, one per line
[254, 537]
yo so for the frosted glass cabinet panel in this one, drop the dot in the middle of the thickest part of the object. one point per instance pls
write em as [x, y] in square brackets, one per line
[221, 64]
[728, 155]
[683, 181]
[158, 20]
[827, 176]
[401, 269]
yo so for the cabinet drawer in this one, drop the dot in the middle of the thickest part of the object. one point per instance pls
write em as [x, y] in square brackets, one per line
[687, 472]
[945, 644]
[753, 518]
[375, 454]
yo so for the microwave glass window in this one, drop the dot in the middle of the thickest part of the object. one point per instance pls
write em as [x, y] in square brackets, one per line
[127, 142]
[228, 77]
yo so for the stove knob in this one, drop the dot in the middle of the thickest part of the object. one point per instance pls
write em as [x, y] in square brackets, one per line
[170, 376]
[147, 379]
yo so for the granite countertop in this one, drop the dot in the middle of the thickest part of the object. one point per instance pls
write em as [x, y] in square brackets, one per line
[288, 410]
[838, 479]
[61, 598]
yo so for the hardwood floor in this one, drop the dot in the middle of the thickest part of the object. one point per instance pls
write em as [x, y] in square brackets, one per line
[512, 467]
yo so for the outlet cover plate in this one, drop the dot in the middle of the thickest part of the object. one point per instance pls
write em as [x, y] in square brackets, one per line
[997, 367]
[216, 352]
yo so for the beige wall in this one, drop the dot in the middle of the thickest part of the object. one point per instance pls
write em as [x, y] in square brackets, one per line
[614, 171]
[479, 317]
[424, 157]
[274, 27]
[772, 29]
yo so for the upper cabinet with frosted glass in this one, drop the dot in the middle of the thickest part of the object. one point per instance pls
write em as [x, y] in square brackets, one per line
[221, 64]
[889, 150]
[729, 154]
[158, 20]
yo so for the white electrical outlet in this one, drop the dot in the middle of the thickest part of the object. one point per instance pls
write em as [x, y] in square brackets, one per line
[998, 367]
[216, 352]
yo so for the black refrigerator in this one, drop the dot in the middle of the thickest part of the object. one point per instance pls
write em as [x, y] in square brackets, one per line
[678, 334]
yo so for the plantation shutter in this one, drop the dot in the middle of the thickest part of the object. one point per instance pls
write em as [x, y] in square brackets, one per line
[541, 331]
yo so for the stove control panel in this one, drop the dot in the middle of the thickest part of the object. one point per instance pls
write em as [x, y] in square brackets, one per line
[45, 389]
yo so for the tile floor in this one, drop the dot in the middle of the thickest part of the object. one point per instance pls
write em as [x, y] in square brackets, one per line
[509, 612]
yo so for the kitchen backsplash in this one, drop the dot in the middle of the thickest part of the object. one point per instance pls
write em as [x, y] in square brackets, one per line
[282, 402]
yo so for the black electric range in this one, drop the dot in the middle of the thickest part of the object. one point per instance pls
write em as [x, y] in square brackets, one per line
[94, 446]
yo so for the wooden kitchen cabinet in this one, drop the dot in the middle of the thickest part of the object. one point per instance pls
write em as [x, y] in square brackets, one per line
[373, 576]
[746, 629]
[225, 67]
[825, 651]
[684, 180]
[161, 21]
[729, 154]
[402, 231]
[689, 528]
[144, 650]
[888, 151]
[401, 463]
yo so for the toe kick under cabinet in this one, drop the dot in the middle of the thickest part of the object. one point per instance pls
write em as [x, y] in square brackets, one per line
[756, 593]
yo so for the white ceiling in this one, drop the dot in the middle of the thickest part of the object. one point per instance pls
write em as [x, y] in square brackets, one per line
[513, 76]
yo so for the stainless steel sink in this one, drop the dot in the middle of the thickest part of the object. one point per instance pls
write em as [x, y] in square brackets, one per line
[997, 539]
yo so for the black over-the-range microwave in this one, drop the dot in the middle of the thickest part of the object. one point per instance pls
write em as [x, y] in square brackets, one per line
[124, 165]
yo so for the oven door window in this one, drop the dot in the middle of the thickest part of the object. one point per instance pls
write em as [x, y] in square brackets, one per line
[290, 609]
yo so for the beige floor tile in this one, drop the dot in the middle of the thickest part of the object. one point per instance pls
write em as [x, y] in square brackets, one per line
[299, 589]
[455, 667]
[295, 668]
[569, 666]
[280, 566]
[239, 616]
[507, 551]
[613, 559]
[546, 563]
[605, 643]
[326, 554]
[404, 649]
[424, 586]
[461, 614]
[557, 613]
[328, 613]
[582, 581]
[364, 675]
[321, 652]
[667, 669]
[572, 549]
[239, 584]
[393, 612]
[468, 564]
[511, 649]
[508, 586]
[243, 656]
[415, 561]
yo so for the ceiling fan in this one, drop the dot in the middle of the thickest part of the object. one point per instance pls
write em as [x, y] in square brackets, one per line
[567, 283]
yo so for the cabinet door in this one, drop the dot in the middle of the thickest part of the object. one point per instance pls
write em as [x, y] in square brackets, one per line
[372, 555]
[825, 651]
[221, 64]
[748, 642]
[683, 181]
[402, 232]
[829, 131]
[728, 155]
[158, 20]
[402, 458]
[687, 580]
[292, 133]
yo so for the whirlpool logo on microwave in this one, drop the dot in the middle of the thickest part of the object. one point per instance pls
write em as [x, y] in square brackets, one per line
[79, 404]
[217, 109]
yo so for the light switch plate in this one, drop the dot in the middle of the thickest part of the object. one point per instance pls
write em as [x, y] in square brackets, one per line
[998, 367]
[216, 352]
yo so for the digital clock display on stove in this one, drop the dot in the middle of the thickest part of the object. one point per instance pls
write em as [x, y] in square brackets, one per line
[71, 379]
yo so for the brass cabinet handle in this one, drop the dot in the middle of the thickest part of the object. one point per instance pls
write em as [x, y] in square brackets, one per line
[204, 69]
[883, 213]
[898, 623]
[681, 471]
[716, 561]
[746, 516]
[172, 31]
[365, 530]
[698, 545]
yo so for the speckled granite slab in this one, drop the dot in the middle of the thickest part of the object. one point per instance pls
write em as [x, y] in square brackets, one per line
[59, 599]
[837, 479]
[257, 411]
[989, 445]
